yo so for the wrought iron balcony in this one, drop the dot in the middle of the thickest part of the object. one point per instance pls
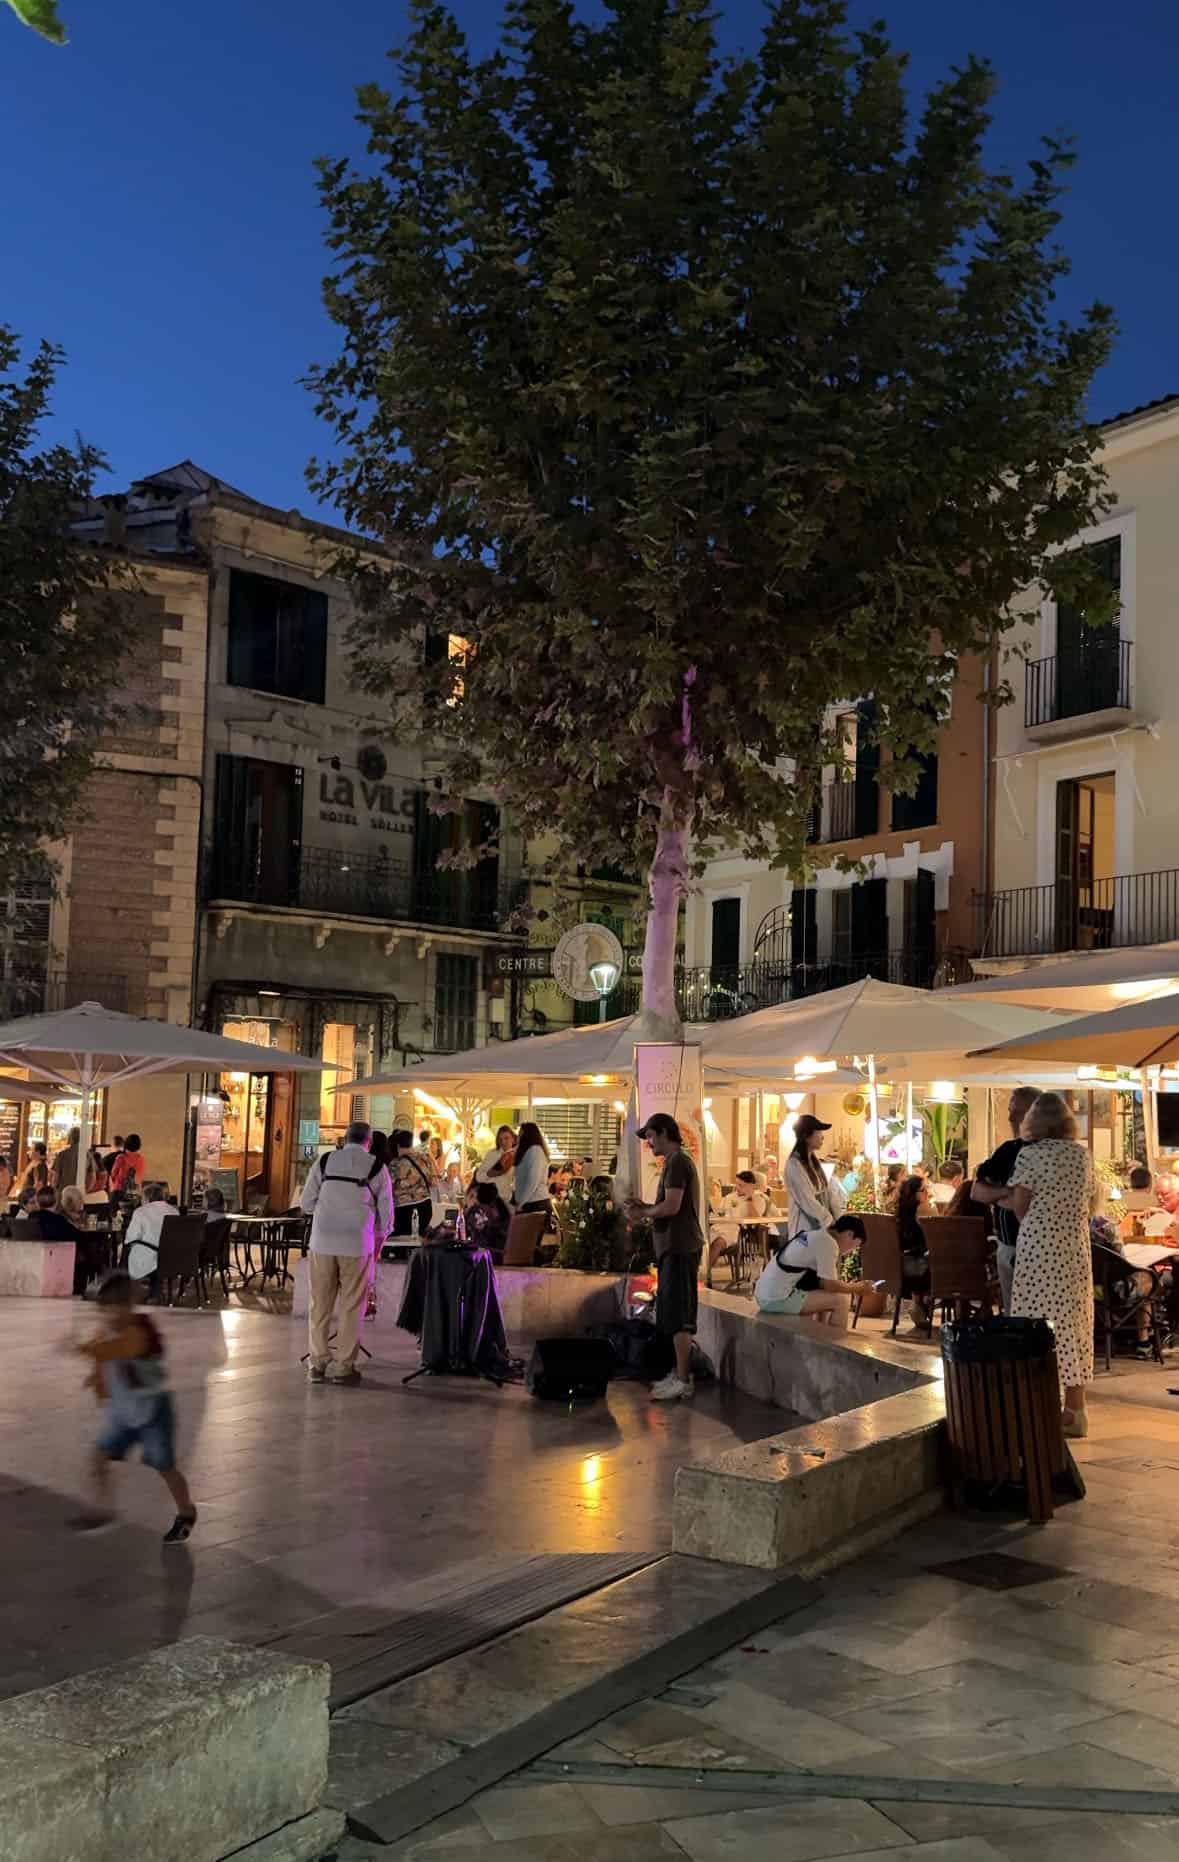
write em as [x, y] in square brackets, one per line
[1103, 914]
[366, 885]
[1096, 677]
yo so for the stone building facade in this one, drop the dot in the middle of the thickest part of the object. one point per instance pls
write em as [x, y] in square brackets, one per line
[259, 854]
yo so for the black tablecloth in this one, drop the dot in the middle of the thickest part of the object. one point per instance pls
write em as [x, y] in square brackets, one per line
[450, 1303]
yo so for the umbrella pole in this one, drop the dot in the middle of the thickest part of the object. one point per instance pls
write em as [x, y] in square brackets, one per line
[909, 1127]
[1148, 1124]
[84, 1124]
[874, 1131]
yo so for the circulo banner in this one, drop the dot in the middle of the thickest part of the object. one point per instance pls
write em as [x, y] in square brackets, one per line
[574, 956]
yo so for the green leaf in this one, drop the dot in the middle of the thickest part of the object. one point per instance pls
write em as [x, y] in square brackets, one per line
[41, 15]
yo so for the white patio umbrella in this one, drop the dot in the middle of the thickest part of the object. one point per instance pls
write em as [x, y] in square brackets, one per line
[578, 1064]
[87, 1048]
[888, 1027]
[1099, 980]
[1139, 1035]
[26, 1092]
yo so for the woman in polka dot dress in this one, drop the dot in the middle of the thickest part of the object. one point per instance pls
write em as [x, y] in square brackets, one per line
[1053, 1192]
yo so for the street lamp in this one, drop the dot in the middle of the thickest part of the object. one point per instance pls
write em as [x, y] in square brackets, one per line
[604, 977]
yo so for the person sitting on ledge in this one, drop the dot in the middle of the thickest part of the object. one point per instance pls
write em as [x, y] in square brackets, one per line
[802, 1279]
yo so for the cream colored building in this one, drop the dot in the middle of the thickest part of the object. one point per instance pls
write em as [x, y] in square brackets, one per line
[258, 855]
[1085, 770]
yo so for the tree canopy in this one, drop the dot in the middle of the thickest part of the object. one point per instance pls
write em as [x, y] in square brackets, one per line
[691, 394]
[59, 641]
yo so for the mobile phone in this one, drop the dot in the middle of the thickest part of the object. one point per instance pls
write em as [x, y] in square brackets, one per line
[878, 1284]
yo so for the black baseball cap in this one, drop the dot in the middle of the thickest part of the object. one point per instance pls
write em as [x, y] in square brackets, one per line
[808, 1124]
[663, 1126]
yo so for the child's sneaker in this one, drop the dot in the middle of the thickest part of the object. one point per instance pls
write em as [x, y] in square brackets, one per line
[180, 1529]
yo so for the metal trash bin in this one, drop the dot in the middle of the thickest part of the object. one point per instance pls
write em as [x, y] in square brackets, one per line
[1003, 1410]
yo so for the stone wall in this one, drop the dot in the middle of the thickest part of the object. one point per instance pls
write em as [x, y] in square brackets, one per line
[125, 931]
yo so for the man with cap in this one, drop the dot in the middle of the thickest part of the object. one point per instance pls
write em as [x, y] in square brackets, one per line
[813, 1201]
[679, 1242]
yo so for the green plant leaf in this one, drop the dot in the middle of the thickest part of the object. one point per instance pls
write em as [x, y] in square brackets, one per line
[42, 16]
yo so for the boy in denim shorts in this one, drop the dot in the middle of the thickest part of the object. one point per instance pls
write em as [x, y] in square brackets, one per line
[130, 1378]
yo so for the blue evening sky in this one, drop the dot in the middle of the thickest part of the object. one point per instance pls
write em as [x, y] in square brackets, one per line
[160, 219]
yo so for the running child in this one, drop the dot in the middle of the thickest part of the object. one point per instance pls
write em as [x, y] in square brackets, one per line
[131, 1380]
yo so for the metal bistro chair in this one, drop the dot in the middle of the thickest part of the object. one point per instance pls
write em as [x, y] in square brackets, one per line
[180, 1253]
[961, 1267]
[278, 1238]
[1118, 1300]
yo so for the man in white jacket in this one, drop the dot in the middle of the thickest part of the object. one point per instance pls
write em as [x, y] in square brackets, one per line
[349, 1197]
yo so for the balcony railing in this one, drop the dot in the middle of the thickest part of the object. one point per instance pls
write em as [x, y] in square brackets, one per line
[1104, 914]
[711, 992]
[368, 885]
[708, 993]
[1096, 677]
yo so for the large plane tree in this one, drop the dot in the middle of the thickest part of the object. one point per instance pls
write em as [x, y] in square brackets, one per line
[689, 394]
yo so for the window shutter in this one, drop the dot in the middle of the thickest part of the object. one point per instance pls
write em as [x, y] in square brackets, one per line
[867, 809]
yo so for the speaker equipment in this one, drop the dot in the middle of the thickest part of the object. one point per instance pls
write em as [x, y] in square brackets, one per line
[564, 1369]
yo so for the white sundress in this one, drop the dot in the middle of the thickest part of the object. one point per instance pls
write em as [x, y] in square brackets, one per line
[1053, 1258]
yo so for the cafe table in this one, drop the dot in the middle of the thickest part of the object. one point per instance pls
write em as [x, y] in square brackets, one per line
[273, 1234]
[746, 1237]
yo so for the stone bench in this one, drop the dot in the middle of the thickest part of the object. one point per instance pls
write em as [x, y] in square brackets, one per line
[868, 1464]
[36, 1270]
[193, 1751]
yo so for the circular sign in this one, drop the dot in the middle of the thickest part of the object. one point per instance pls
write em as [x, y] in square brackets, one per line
[371, 763]
[578, 950]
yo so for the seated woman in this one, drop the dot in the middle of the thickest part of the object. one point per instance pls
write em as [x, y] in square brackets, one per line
[962, 1202]
[913, 1203]
[66, 1222]
[745, 1203]
[803, 1280]
[486, 1218]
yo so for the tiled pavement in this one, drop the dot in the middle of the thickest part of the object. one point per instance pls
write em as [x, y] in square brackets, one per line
[902, 1673]
[314, 1500]
[323, 1512]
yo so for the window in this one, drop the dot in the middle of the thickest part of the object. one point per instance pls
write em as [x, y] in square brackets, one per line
[1085, 860]
[444, 648]
[1090, 674]
[277, 636]
[257, 828]
[919, 810]
[339, 1050]
[726, 934]
[865, 786]
[456, 1002]
[466, 896]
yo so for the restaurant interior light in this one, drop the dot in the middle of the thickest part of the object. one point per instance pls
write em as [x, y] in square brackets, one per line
[808, 1065]
[943, 1093]
[794, 1100]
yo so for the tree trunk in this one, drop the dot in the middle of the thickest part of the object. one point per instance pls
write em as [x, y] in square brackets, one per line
[659, 1018]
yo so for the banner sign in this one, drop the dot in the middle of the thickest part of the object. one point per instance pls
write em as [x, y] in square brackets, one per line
[669, 1077]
